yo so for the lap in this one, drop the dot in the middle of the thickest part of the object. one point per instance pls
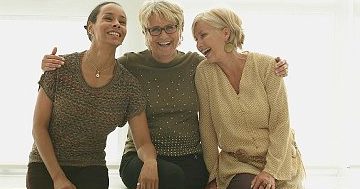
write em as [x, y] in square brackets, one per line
[174, 172]
[82, 177]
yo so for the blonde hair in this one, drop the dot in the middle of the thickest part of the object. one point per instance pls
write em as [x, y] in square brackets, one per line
[163, 9]
[221, 18]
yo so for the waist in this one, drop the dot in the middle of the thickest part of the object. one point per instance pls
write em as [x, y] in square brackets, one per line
[244, 157]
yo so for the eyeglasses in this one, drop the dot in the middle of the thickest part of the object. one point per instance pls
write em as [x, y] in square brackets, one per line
[157, 30]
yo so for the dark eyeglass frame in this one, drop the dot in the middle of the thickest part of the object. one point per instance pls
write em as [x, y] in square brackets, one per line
[168, 29]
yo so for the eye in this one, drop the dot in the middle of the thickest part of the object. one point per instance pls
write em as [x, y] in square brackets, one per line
[203, 35]
[170, 27]
[108, 18]
[122, 22]
[154, 29]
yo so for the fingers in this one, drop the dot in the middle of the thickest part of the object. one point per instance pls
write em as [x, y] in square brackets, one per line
[253, 182]
[281, 63]
[256, 183]
[281, 68]
[268, 186]
[262, 182]
[147, 185]
[277, 59]
[52, 61]
[54, 51]
[263, 185]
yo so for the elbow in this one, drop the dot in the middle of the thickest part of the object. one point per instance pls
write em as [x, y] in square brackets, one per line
[38, 131]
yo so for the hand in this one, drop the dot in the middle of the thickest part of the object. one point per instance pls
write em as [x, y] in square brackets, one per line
[63, 183]
[211, 185]
[148, 178]
[281, 68]
[52, 61]
[263, 181]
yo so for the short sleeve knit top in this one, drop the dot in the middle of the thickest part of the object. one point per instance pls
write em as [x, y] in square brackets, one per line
[83, 116]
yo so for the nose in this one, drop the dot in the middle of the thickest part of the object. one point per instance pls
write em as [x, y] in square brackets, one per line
[198, 44]
[163, 33]
[116, 24]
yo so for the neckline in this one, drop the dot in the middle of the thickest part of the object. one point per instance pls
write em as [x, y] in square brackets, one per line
[154, 63]
[242, 76]
[83, 80]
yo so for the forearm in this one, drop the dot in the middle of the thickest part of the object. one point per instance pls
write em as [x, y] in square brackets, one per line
[147, 152]
[46, 151]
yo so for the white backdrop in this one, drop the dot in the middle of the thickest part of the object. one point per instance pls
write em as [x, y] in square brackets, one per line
[320, 39]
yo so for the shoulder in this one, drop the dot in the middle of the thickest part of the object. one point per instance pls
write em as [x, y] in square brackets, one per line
[125, 73]
[261, 60]
[134, 57]
[192, 57]
[204, 65]
[75, 56]
[72, 61]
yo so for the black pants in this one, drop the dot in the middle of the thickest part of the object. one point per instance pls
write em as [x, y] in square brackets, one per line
[184, 172]
[241, 181]
[90, 177]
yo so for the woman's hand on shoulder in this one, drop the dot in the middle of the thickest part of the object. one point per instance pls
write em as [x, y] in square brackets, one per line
[52, 61]
[263, 181]
[281, 67]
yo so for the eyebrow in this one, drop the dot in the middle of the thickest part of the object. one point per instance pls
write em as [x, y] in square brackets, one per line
[109, 13]
[171, 24]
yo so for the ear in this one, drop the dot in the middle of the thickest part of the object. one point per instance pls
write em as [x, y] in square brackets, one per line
[226, 32]
[90, 28]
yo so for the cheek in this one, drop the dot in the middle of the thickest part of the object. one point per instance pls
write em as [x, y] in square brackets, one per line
[124, 31]
[151, 41]
[175, 40]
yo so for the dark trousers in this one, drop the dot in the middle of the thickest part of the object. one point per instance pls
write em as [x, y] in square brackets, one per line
[241, 181]
[184, 172]
[90, 177]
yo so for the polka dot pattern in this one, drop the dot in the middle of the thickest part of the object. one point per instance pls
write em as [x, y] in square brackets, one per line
[172, 103]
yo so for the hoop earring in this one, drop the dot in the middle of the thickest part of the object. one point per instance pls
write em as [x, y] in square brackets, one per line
[229, 47]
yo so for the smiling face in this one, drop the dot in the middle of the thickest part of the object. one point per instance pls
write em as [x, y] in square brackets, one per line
[163, 46]
[210, 41]
[110, 26]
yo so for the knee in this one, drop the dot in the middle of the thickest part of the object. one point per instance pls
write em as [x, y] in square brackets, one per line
[171, 176]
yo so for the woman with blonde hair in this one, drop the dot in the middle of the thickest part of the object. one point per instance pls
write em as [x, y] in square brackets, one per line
[243, 110]
[167, 77]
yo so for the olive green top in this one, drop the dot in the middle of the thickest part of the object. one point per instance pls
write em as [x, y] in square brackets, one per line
[172, 105]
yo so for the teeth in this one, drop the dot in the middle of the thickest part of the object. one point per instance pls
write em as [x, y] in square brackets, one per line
[164, 43]
[114, 33]
[205, 51]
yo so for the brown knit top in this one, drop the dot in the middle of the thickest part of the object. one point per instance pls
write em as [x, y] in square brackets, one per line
[83, 116]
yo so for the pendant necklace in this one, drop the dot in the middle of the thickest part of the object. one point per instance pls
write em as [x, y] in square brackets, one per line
[97, 74]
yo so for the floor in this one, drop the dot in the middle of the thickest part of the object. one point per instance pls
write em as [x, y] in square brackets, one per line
[317, 178]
